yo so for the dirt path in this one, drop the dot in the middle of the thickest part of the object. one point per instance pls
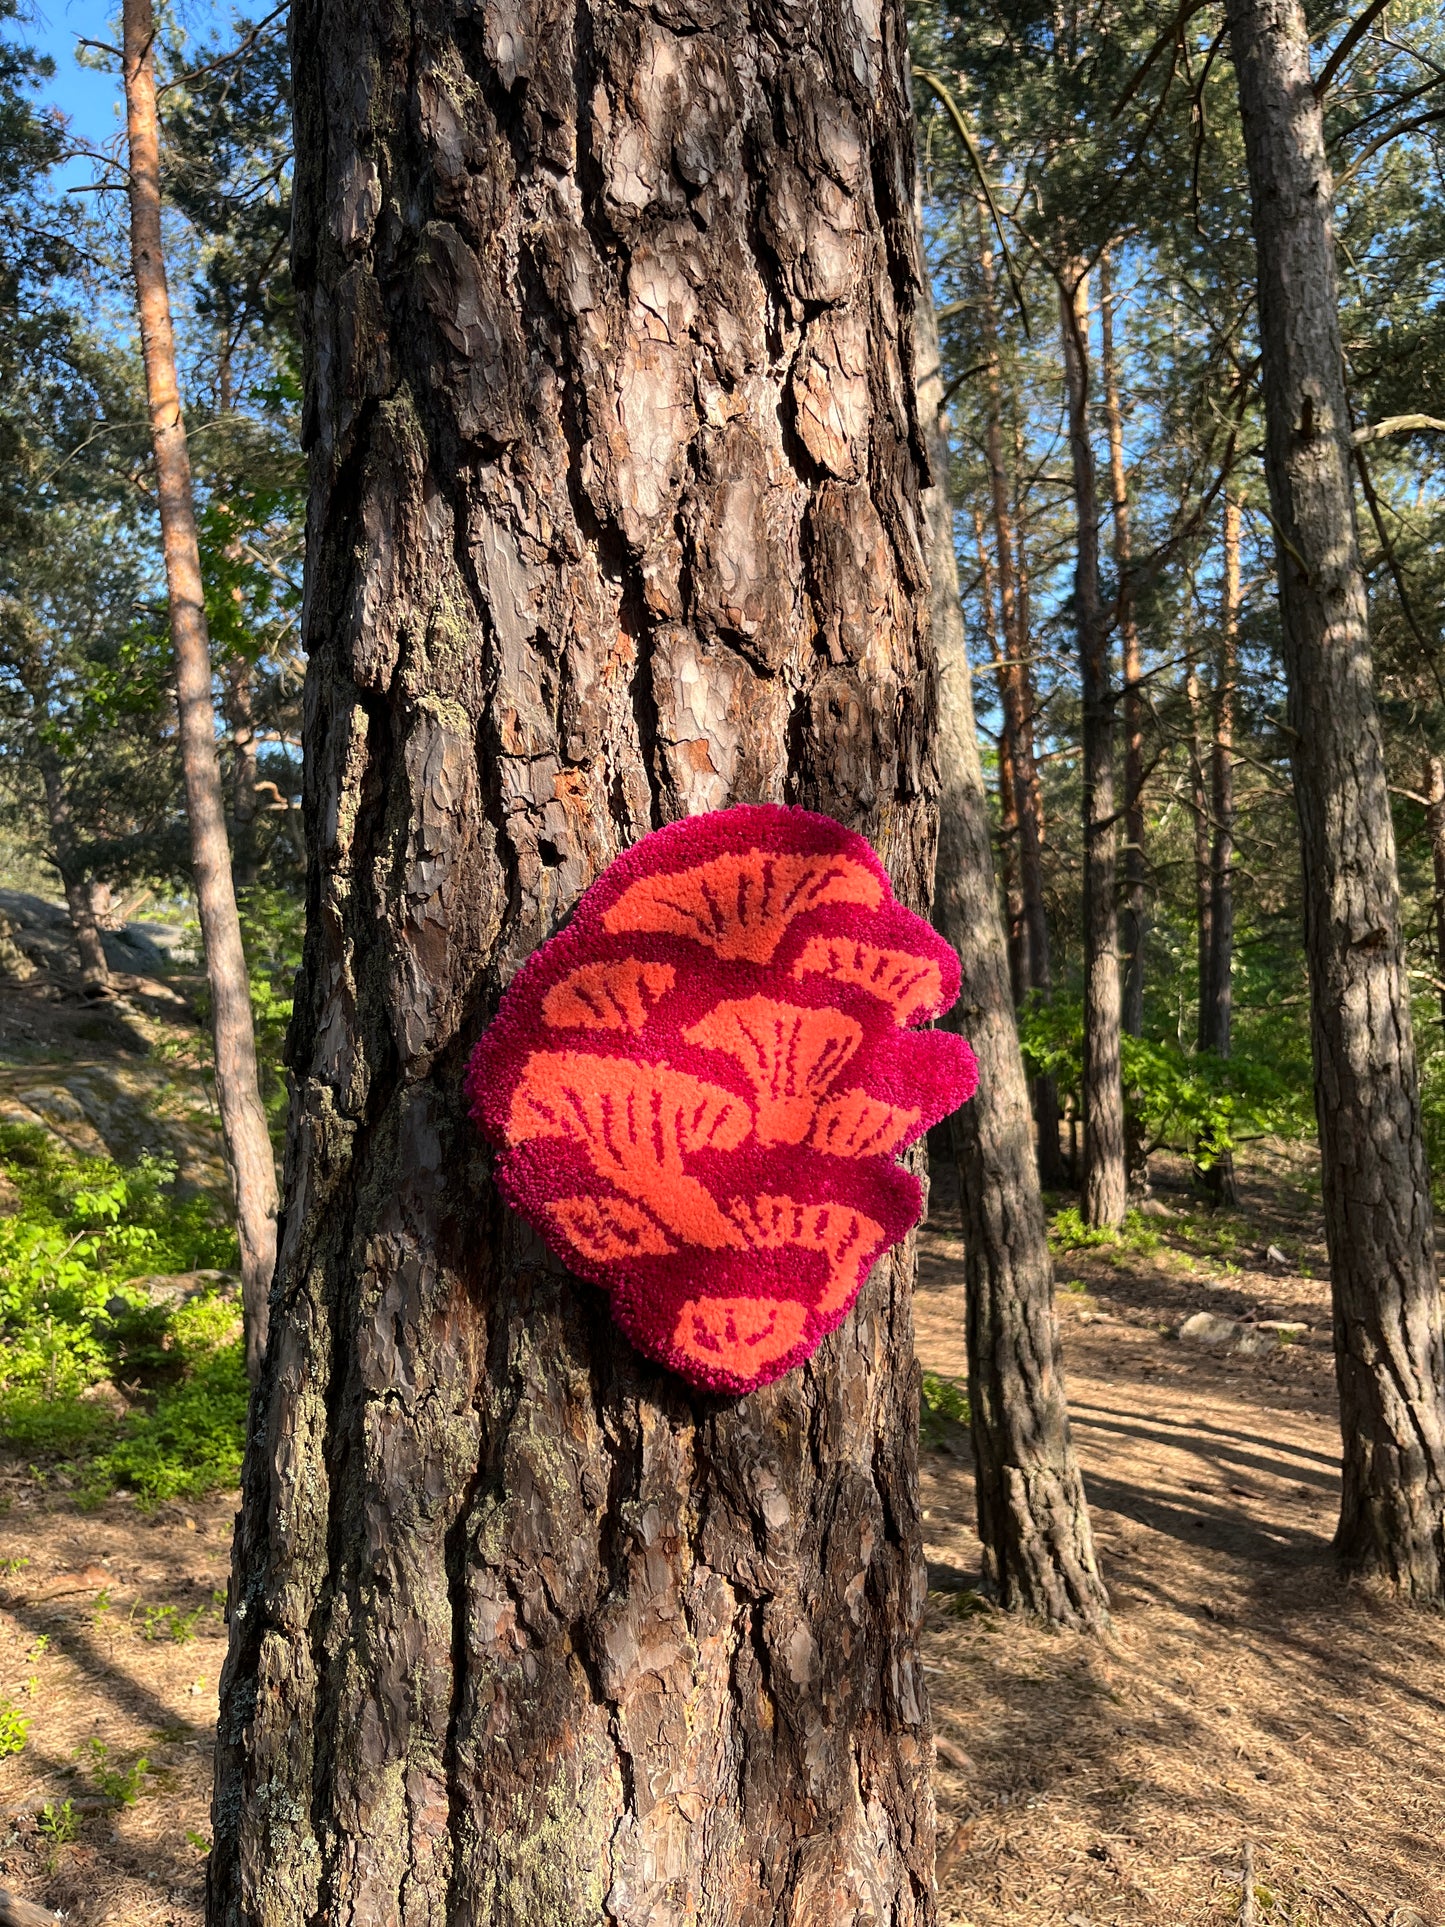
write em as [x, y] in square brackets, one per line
[1245, 1695]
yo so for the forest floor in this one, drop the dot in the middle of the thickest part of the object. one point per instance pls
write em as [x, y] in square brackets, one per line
[1245, 1697]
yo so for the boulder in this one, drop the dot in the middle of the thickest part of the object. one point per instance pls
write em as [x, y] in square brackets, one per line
[1211, 1330]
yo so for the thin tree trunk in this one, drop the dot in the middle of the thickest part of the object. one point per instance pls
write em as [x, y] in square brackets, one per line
[1008, 808]
[1054, 1172]
[1203, 893]
[1435, 821]
[241, 720]
[1105, 1189]
[1217, 1008]
[1033, 1520]
[1389, 1346]
[79, 900]
[615, 518]
[243, 1119]
[1135, 905]
[1219, 991]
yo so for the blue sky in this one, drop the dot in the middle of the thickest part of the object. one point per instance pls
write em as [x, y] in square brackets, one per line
[90, 100]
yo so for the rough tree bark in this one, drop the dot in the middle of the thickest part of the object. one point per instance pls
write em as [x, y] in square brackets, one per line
[1105, 1186]
[1135, 874]
[1033, 1519]
[614, 518]
[243, 1118]
[1389, 1346]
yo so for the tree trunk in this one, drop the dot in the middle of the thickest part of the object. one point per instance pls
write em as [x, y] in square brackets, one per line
[1105, 1188]
[1032, 1516]
[243, 1119]
[1016, 699]
[241, 719]
[1435, 821]
[1219, 990]
[1053, 1170]
[79, 898]
[1135, 907]
[1199, 809]
[615, 518]
[1389, 1347]
[1015, 925]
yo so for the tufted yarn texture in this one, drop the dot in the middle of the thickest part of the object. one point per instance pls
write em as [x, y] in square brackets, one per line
[699, 1088]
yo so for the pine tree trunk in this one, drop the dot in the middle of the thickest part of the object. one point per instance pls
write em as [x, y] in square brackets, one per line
[1032, 1516]
[1015, 926]
[1435, 820]
[615, 518]
[1054, 1173]
[1105, 1188]
[241, 720]
[1016, 699]
[1135, 874]
[1219, 991]
[1389, 1346]
[243, 1119]
[1199, 756]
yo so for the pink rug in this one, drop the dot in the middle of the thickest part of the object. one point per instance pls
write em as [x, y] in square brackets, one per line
[700, 1086]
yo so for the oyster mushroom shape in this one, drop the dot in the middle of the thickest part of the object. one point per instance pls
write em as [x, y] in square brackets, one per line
[699, 1089]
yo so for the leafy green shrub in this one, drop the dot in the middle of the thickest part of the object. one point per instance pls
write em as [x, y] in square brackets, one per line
[122, 1784]
[1068, 1232]
[943, 1404]
[13, 1729]
[85, 1227]
[58, 1823]
[1186, 1101]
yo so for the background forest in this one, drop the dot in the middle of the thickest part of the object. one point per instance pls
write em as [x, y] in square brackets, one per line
[1085, 220]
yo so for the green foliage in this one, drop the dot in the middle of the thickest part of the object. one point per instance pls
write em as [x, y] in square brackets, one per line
[169, 1622]
[13, 1729]
[1068, 1232]
[943, 1405]
[68, 1321]
[121, 1784]
[1177, 1100]
[58, 1823]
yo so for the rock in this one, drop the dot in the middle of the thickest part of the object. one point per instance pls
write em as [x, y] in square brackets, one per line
[1251, 1342]
[60, 1585]
[1211, 1330]
[106, 1394]
[182, 1286]
[55, 1103]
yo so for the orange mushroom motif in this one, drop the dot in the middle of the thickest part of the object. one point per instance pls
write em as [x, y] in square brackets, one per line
[699, 1088]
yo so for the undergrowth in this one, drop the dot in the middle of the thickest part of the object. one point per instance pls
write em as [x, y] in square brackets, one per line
[71, 1322]
[942, 1405]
